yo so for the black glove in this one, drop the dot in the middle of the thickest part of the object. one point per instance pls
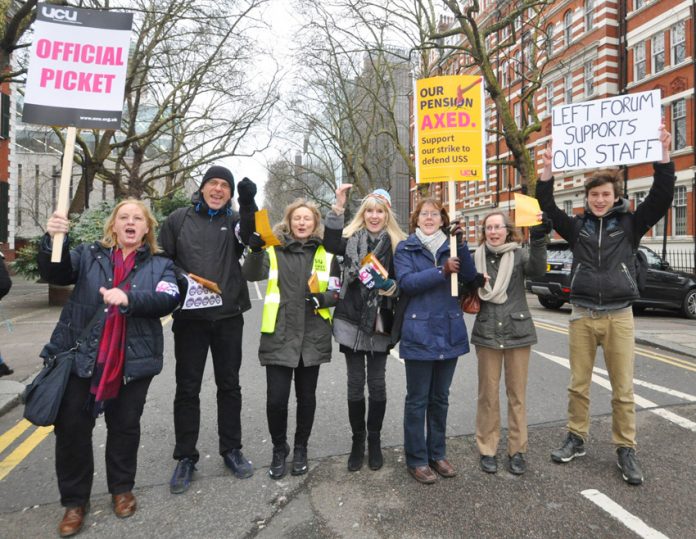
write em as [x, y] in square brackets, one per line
[256, 242]
[246, 191]
[315, 300]
[539, 231]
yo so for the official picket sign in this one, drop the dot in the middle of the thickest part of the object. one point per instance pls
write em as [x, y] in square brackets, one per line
[621, 130]
[449, 129]
[77, 67]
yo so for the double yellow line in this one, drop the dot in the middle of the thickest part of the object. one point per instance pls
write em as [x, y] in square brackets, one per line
[26, 446]
[645, 352]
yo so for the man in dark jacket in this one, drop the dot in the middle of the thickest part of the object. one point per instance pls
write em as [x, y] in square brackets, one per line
[603, 286]
[206, 240]
[5, 285]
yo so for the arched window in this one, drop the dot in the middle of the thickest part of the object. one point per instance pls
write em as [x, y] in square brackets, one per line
[568, 27]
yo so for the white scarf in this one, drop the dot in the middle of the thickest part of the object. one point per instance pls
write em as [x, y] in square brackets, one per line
[433, 241]
[498, 293]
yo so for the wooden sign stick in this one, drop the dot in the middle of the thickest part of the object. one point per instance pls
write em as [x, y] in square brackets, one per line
[453, 239]
[64, 190]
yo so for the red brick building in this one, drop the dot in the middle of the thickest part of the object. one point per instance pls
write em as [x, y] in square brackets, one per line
[596, 49]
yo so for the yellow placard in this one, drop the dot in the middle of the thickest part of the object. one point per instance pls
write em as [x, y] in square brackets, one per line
[450, 130]
[527, 210]
[263, 228]
[313, 283]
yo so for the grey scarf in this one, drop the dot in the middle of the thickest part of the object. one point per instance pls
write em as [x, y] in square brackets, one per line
[433, 242]
[498, 293]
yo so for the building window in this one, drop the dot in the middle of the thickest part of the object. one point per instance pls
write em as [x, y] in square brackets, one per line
[549, 98]
[549, 41]
[639, 61]
[568, 207]
[568, 88]
[657, 52]
[568, 27]
[638, 199]
[589, 15]
[680, 211]
[588, 70]
[504, 75]
[517, 113]
[678, 41]
[637, 4]
[679, 124]
[504, 177]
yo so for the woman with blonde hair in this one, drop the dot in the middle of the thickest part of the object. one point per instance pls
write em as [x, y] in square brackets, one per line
[503, 334]
[117, 358]
[366, 299]
[295, 325]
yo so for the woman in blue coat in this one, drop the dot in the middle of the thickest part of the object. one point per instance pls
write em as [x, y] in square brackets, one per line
[433, 335]
[120, 278]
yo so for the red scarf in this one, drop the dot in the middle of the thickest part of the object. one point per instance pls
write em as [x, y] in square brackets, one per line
[108, 371]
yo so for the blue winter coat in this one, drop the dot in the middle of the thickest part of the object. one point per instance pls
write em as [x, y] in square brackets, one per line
[433, 326]
[89, 267]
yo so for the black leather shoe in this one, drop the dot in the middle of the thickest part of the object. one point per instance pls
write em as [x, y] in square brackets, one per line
[299, 460]
[489, 464]
[278, 467]
[517, 464]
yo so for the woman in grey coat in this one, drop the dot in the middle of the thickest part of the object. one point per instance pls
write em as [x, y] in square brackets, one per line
[295, 326]
[503, 334]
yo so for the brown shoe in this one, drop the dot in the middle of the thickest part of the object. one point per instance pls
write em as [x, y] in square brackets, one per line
[443, 467]
[423, 474]
[124, 504]
[72, 520]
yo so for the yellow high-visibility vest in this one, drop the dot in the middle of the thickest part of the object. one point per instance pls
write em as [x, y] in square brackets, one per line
[271, 304]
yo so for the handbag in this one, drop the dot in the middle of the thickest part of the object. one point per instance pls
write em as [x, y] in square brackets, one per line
[42, 397]
[471, 303]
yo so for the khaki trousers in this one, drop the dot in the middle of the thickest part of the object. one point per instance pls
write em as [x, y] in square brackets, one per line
[490, 364]
[614, 333]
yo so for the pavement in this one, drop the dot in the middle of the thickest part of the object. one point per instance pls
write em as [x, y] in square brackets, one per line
[27, 320]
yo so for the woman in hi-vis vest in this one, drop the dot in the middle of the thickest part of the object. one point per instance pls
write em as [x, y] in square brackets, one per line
[364, 313]
[296, 324]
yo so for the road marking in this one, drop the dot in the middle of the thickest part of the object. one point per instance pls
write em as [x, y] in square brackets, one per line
[23, 316]
[27, 446]
[655, 387]
[258, 290]
[12, 434]
[166, 320]
[639, 350]
[649, 405]
[629, 520]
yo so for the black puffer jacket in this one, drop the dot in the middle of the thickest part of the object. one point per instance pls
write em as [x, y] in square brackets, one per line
[89, 267]
[207, 246]
[604, 267]
[5, 281]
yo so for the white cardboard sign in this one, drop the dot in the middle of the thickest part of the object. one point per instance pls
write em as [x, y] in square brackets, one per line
[621, 130]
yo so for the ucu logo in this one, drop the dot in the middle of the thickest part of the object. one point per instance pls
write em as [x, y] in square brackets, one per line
[59, 14]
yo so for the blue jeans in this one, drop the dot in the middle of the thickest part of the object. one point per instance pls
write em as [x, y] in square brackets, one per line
[427, 390]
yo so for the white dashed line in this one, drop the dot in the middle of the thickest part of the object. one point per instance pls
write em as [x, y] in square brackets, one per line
[258, 291]
[651, 406]
[629, 520]
[393, 353]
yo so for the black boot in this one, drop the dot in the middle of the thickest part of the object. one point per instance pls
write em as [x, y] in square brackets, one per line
[356, 415]
[375, 415]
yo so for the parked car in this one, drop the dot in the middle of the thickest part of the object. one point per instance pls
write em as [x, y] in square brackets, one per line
[665, 288]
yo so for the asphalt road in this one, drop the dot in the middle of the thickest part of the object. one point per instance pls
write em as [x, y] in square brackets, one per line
[549, 501]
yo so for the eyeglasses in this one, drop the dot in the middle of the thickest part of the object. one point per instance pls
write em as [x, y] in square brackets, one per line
[492, 228]
[429, 214]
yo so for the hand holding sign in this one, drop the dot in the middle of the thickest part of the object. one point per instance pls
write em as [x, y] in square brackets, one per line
[666, 141]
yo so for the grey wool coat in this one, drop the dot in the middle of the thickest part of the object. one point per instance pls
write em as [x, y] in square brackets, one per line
[299, 332]
[510, 324]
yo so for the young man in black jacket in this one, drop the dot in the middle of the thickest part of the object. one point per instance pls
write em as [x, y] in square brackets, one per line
[205, 239]
[603, 286]
[5, 285]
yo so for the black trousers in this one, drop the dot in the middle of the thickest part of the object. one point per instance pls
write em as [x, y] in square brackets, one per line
[278, 380]
[192, 340]
[376, 363]
[73, 431]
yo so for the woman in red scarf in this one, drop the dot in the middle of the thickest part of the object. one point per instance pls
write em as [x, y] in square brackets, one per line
[119, 278]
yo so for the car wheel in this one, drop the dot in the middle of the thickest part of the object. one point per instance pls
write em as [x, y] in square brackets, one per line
[689, 305]
[550, 303]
